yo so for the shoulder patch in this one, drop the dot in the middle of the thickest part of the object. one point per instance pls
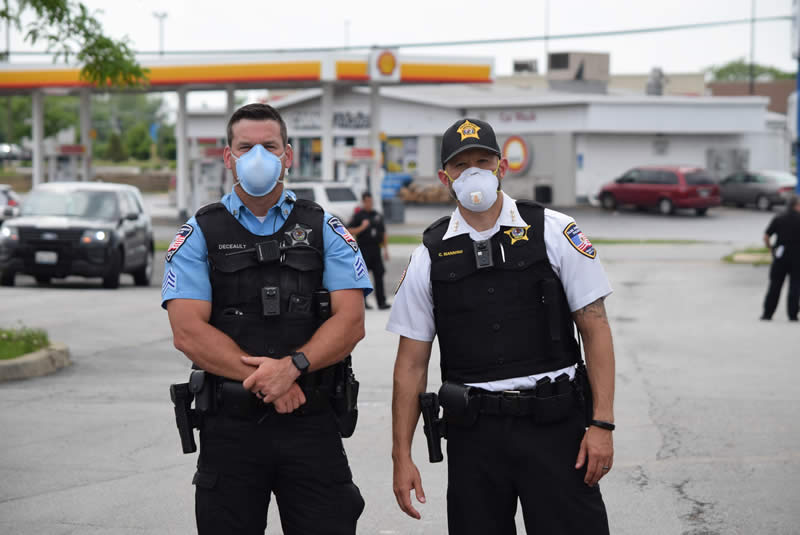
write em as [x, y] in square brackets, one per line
[342, 231]
[180, 238]
[579, 241]
[402, 277]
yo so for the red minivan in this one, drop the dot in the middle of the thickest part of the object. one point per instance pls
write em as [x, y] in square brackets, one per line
[664, 187]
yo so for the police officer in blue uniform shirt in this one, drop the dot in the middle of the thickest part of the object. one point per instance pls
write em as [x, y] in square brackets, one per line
[501, 283]
[245, 280]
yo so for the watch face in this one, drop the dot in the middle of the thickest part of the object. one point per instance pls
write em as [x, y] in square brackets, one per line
[300, 361]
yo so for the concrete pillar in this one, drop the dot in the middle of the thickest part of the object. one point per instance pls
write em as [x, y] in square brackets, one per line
[564, 186]
[230, 107]
[182, 171]
[326, 120]
[375, 172]
[86, 139]
[38, 137]
[230, 103]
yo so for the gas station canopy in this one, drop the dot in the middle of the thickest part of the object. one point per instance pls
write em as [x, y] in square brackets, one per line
[384, 66]
[377, 67]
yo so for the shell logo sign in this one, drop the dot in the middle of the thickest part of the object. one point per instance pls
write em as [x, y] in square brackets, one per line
[516, 151]
[384, 65]
[387, 63]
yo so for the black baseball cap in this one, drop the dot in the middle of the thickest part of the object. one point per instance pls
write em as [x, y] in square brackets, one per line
[468, 134]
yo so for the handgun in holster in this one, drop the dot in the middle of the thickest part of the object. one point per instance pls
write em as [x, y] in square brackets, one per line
[433, 425]
[583, 389]
[344, 396]
[200, 390]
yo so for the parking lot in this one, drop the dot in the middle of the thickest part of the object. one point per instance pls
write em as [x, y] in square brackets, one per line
[706, 403]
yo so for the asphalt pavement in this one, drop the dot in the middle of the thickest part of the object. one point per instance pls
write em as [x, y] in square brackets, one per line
[706, 439]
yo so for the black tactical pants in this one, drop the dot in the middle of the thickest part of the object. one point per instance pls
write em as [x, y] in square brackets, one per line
[374, 261]
[781, 267]
[501, 459]
[299, 458]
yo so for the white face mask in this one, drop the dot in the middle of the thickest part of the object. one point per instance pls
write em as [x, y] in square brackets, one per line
[476, 189]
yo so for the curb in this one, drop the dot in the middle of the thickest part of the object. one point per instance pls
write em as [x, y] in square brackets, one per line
[42, 362]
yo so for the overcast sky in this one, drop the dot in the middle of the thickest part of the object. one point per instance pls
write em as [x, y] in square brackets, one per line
[206, 24]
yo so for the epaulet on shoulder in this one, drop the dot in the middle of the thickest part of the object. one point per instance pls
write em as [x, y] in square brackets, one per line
[210, 208]
[441, 221]
[307, 205]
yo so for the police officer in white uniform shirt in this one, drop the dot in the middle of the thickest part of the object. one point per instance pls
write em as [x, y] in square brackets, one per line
[502, 283]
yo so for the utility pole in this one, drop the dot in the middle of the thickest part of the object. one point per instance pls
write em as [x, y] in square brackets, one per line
[752, 46]
[347, 33]
[546, 34]
[160, 15]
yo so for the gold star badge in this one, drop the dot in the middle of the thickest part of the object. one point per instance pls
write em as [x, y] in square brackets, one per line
[467, 129]
[518, 234]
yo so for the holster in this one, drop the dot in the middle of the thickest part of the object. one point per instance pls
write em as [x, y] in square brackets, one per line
[433, 426]
[584, 391]
[459, 409]
[345, 397]
[200, 390]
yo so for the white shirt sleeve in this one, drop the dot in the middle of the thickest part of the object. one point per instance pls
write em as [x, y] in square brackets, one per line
[412, 308]
[583, 278]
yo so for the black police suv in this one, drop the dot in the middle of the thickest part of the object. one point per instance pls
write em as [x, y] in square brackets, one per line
[92, 229]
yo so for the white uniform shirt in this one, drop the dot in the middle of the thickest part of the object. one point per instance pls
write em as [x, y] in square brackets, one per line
[582, 276]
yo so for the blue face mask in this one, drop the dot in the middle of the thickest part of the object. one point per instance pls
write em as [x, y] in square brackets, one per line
[258, 171]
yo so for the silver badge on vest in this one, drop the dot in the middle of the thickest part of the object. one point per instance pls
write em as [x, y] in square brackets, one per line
[298, 235]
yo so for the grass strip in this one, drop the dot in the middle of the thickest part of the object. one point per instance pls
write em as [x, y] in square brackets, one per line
[17, 342]
[757, 256]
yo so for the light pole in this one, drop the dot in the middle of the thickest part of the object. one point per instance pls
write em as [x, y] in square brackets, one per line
[160, 15]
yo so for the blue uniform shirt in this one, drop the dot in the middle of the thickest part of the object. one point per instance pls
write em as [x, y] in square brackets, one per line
[186, 270]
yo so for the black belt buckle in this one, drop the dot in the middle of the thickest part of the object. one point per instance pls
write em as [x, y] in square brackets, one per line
[510, 402]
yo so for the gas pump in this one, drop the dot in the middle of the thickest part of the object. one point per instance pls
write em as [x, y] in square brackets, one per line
[64, 158]
[209, 180]
[353, 165]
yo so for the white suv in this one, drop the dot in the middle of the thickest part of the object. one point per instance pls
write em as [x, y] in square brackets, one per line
[337, 198]
[9, 202]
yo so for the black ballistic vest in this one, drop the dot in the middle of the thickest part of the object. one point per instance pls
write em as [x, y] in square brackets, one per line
[507, 320]
[266, 306]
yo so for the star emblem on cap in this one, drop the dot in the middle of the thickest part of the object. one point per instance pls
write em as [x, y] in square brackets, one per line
[468, 129]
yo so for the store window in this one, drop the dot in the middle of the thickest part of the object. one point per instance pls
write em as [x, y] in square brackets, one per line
[307, 157]
[401, 155]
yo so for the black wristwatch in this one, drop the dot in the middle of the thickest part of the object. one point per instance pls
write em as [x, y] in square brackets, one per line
[602, 424]
[300, 362]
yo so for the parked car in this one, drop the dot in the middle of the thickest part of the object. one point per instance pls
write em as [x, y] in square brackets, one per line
[337, 198]
[9, 203]
[666, 188]
[764, 189]
[12, 151]
[79, 228]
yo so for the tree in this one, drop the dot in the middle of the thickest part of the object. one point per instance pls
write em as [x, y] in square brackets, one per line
[71, 32]
[117, 112]
[137, 142]
[739, 71]
[167, 145]
[116, 152]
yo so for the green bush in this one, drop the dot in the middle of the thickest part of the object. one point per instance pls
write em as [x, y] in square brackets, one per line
[17, 342]
[116, 151]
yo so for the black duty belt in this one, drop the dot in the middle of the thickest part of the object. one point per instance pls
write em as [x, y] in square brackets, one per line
[234, 400]
[534, 402]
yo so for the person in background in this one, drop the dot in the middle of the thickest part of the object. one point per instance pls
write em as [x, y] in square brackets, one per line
[785, 259]
[370, 232]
